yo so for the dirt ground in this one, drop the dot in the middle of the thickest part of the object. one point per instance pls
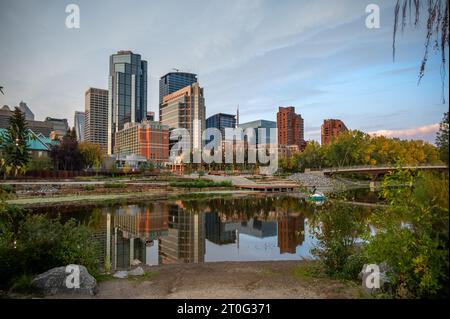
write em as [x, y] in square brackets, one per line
[236, 280]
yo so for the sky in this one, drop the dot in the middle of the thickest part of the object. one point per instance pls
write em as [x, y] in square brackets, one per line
[317, 56]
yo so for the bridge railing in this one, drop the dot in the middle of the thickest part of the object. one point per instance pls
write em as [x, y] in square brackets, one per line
[383, 166]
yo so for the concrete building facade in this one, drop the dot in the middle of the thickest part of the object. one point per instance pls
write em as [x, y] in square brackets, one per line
[186, 109]
[96, 117]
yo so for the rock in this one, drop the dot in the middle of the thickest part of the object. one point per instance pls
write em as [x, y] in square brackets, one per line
[121, 274]
[138, 271]
[61, 280]
[136, 262]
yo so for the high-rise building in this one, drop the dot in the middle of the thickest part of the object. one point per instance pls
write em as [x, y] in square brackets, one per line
[331, 128]
[60, 127]
[221, 121]
[290, 128]
[147, 139]
[172, 82]
[79, 125]
[127, 98]
[96, 117]
[29, 116]
[185, 108]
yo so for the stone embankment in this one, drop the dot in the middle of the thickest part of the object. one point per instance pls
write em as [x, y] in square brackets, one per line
[318, 180]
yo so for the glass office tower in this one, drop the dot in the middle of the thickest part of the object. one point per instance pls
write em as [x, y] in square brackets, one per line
[172, 82]
[127, 97]
[221, 121]
[79, 125]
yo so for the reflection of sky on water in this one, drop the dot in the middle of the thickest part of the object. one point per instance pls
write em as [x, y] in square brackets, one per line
[257, 249]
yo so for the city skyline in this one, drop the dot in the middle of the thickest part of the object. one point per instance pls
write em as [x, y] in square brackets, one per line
[331, 66]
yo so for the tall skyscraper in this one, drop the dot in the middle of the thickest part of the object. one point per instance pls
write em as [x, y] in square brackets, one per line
[290, 127]
[172, 82]
[79, 125]
[127, 98]
[185, 108]
[96, 117]
[330, 129]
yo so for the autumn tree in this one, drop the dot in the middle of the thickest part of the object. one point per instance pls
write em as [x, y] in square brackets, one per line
[92, 154]
[442, 138]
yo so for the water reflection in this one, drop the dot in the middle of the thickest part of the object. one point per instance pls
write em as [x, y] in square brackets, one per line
[201, 230]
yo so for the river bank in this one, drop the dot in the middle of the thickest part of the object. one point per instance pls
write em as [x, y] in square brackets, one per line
[238, 280]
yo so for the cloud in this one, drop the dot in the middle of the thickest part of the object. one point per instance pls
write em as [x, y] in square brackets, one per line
[427, 133]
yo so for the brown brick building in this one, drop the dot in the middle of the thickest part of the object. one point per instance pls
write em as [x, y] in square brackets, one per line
[331, 128]
[290, 128]
[148, 139]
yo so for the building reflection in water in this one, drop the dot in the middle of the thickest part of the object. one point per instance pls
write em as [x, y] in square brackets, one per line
[177, 235]
[291, 232]
[130, 231]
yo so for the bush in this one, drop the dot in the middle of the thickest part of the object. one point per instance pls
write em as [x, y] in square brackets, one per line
[115, 185]
[6, 188]
[413, 239]
[88, 187]
[339, 227]
[32, 244]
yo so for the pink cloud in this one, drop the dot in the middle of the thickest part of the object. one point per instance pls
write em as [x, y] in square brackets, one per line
[427, 133]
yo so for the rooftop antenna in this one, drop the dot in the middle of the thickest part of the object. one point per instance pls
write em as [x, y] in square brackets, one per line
[176, 70]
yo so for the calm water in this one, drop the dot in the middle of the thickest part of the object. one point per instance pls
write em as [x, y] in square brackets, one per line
[255, 228]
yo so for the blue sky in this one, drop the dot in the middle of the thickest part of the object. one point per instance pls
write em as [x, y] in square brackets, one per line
[315, 55]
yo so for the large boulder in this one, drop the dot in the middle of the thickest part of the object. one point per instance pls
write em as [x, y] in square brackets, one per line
[64, 280]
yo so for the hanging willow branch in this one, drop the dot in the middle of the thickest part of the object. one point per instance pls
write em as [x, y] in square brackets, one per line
[437, 29]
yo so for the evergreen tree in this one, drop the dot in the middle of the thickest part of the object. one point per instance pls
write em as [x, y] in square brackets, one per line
[14, 144]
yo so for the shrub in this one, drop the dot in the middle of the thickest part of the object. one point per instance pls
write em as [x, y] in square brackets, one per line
[339, 227]
[115, 185]
[32, 244]
[88, 187]
[413, 239]
[6, 188]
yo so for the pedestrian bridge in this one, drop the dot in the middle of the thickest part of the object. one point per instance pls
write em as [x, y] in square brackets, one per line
[383, 169]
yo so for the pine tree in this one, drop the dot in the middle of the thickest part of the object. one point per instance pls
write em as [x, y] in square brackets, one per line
[15, 149]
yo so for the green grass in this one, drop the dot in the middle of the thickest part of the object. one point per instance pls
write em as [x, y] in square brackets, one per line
[308, 271]
[103, 277]
[139, 279]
